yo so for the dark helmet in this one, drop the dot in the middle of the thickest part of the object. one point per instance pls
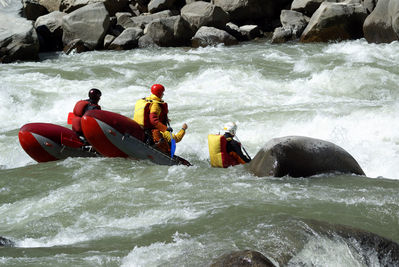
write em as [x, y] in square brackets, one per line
[94, 94]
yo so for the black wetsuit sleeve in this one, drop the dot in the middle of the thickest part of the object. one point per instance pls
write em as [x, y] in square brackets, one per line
[90, 106]
[235, 146]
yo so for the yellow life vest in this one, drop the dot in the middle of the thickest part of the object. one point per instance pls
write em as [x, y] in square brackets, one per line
[140, 111]
[217, 151]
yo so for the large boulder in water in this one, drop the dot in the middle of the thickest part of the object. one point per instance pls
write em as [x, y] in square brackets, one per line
[382, 25]
[335, 22]
[89, 24]
[18, 39]
[4, 242]
[385, 250]
[49, 30]
[299, 156]
[243, 259]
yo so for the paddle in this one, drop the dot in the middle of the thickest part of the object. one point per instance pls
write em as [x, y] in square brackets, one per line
[243, 147]
[172, 146]
[71, 116]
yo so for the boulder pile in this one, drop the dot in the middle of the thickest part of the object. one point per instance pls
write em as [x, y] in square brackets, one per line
[84, 25]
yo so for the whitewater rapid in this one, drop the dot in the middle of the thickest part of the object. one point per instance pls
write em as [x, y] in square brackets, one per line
[345, 93]
[120, 212]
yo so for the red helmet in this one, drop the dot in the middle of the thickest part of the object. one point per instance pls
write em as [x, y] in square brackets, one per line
[157, 89]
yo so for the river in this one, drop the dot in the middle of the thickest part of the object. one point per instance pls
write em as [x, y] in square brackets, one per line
[120, 212]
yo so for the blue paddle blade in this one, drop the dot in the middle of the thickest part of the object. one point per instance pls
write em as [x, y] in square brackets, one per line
[172, 146]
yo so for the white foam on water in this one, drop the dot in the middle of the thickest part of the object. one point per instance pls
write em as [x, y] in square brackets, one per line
[320, 251]
[345, 93]
[160, 253]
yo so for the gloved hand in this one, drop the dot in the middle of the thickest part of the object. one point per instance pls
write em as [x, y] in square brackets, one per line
[169, 129]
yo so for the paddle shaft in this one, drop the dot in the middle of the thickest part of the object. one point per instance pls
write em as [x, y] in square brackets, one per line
[243, 147]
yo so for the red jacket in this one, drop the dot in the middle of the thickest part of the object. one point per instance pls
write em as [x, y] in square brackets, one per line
[79, 110]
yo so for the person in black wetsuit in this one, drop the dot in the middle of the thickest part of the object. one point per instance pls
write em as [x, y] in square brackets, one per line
[233, 147]
[85, 105]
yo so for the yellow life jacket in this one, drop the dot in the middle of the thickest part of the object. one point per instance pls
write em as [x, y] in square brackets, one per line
[217, 151]
[140, 111]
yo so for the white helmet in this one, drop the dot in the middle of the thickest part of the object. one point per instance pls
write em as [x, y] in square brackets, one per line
[230, 127]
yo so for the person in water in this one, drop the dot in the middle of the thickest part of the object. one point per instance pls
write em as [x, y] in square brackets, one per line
[151, 113]
[234, 147]
[82, 106]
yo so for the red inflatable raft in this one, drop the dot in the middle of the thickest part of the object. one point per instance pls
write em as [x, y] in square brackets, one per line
[48, 142]
[114, 135]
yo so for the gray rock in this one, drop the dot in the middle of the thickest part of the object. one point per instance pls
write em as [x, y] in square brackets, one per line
[242, 259]
[146, 41]
[108, 39]
[382, 25]
[158, 5]
[69, 6]
[135, 10]
[250, 11]
[127, 40]
[124, 19]
[294, 20]
[141, 6]
[370, 5]
[201, 13]
[335, 22]
[307, 7]
[89, 24]
[5, 242]
[18, 41]
[250, 32]
[293, 25]
[142, 20]
[49, 30]
[112, 6]
[299, 156]
[172, 31]
[210, 36]
[32, 9]
[76, 45]
[51, 5]
[192, 1]
[52, 21]
[282, 35]
[234, 30]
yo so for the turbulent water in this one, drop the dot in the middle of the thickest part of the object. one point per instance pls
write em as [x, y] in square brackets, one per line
[119, 212]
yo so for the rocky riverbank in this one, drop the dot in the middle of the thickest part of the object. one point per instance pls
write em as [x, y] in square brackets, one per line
[87, 25]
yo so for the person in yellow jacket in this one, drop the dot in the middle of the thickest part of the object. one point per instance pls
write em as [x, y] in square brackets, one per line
[151, 113]
[167, 137]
